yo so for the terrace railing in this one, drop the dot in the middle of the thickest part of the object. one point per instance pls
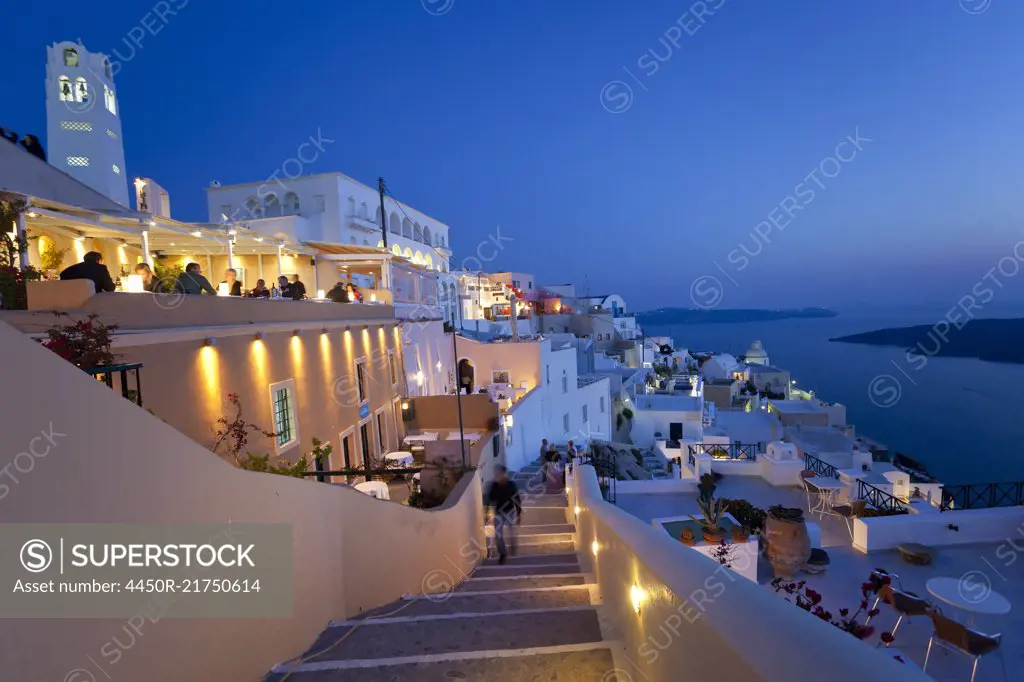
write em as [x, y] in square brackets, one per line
[105, 373]
[607, 472]
[732, 451]
[982, 496]
[820, 466]
[879, 499]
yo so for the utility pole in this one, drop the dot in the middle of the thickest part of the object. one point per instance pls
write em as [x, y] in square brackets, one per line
[383, 214]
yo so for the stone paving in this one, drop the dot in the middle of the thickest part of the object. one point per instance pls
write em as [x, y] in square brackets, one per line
[532, 619]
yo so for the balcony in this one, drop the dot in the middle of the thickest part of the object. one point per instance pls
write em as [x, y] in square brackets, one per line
[363, 224]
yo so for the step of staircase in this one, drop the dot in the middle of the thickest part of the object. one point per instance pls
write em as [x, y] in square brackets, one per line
[544, 500]
[499, 583]
[539, 516]
[590, 662]
[411, 638]
[495, 570]
[564, 557]
[544, 528]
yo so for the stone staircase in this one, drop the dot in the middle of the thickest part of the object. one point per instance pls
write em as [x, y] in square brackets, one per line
[533, 618]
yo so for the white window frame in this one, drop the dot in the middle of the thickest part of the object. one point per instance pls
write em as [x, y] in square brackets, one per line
[384, 432]
[393, 367]
[289, 385]
[368, 421]
[362, 388]
[350, 431]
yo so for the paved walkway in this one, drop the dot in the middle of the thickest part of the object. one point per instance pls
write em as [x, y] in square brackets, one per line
[531, 619]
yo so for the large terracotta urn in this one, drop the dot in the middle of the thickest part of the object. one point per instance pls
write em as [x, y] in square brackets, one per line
[789, 545]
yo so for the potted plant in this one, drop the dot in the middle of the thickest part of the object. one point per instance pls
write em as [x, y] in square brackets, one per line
[687, 537]
[713, 510]
[740, 534]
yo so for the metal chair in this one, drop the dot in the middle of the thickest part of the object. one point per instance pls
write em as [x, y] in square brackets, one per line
[903, 603]
[811, 490]
[957, 637]
[849, 512]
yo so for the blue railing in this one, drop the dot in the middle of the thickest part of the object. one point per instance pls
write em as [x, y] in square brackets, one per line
[878, 498]
[732, 451]
[105, 373]
[982, 496]
[820, 467]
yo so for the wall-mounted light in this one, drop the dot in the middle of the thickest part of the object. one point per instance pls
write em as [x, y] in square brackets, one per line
[594, 546]
[405, 405]
[259, 336]
[259, 239]
[32, 214]
[366, 327]
[439, 365]
[348, 328]
[419, 378]
[637, 596]
[152, 223]
[197, 233]
[209, 342]
[324, 330]
[232, 233]
[509, 421]
[576, 510]
[373, 298]
[80, 238]
[297, 333]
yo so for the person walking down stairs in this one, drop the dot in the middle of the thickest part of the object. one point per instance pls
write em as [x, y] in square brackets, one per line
[506, 501]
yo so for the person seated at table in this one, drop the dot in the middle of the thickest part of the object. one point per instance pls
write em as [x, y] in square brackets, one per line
[354, 295]
[284, 286]
[260, 290]
[192, 281]
[93, 269]
[231, 279]
[149, 281]
[338, 293]
[297, 289]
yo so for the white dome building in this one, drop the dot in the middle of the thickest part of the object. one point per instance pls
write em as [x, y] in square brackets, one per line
[756, 354]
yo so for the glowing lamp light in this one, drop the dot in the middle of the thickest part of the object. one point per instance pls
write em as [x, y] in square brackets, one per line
[419, 378]
[152, 223]
[509, 421]
[320, 293]
[32, 214]
[79, 238]
[576, 510]
[223, 289]
[259, 239]
[133, 284]
[139, 183]
[405, 405]
[209, 342]
[637, 597]
[439, 365]
[373, 298]
[197, 233]
[594, 547]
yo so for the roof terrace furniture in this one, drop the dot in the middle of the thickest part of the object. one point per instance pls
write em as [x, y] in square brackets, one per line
[826, 489]
[905, 604]
[914, 553]
[957, 637]
[849, 512]
[973, 597]
[377, 489]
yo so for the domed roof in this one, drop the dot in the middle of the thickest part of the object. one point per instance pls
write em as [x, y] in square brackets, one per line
[756, 351]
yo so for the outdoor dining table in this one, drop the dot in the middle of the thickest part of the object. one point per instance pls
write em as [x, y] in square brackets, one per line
[828, 488]
[399, 458]
[975, 596]
[377, 489]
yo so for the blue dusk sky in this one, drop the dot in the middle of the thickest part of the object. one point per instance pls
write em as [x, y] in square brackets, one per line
[634, 146]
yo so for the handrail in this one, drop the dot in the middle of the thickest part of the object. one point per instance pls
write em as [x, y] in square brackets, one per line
[878, 498]
[982, 495]
[820, 466]
[733, 451]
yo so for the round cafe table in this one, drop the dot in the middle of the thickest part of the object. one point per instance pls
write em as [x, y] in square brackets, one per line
[398, 458]
[975, 596]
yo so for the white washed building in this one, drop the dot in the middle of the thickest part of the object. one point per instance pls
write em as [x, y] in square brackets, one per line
[83, 122]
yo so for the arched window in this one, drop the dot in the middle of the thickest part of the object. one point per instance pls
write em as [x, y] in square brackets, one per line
[395, 223]
[396, 249]
[70, 56]
[271, 206]
[441, 239]
[407, 228]
[364, 211]
[376, 216]
[106, 69]
[64, 89]
[291, 203]
[429, 261]
[407, 253]
[417, 258]
[108, 100]
[81, 90]
[426, 235]
[417, 232]
[252, 205]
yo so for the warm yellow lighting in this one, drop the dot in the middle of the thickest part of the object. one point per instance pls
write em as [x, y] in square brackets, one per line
[223, 289]
[209, 375]
[259, 239]
[320, 293]
[576, 510]
[232, 232]
[419, 378]
[152, 223]
[32, 214]
[637, 596]
[139, 183]
[594, 547]
[79, 246]
[122, 257]
[133, 284]
[373, 298]
[405, 405]
[45, 244]
[258, 353]
[509, 421]
[197, 233]
[80, 238]
[439, 365]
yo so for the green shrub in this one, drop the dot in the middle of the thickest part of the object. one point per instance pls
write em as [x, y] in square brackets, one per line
[747, 515]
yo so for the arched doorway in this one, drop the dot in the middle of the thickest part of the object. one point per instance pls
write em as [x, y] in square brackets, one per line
[466, 373]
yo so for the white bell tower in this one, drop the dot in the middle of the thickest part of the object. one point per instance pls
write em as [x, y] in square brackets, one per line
[83, 121]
